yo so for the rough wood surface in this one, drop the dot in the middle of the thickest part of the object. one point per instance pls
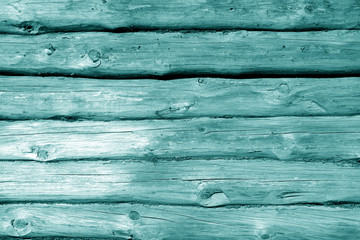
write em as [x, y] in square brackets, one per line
[285, 138]
[125, 221]
[100, 99]
[34, 16]
[193, 182]
[144, 54]
[229, 150]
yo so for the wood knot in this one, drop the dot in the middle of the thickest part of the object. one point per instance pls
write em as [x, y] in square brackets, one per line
[304, 49]
[94, 55]
[49, 49]
[21, 226]
[212, 196]
[202, 129]
[309, 9]
[29, 27]
[40, 152]
[174, 110]
[19, 223]
[134, 215]
[208, 192]
[265, 236]
[284, 88]
[201, 81]
[283, 94]
[280, 94]
[133, 235]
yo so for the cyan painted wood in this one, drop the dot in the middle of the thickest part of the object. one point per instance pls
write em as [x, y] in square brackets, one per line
[34, 16]
[135, 221]
[191, 182]
[283, 138]
[24, 97]
[230, 183]
[143, 54]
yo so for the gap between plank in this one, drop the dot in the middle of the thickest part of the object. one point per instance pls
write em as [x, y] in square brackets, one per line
[353, 162]
[70, 118]
[341, 204]
[93, 28]
[175, 76]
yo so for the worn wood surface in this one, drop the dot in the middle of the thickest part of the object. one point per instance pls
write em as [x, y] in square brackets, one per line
[256, 136]
[144, 54]
[192, 182]
[133, 221]
[34, 16]
[24, 97]
[285, 138]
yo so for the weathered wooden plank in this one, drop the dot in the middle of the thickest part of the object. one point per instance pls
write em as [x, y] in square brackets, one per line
[193, 182]
[143, 54]
[33, 16]
[286, 138]
[53, 97]
[125, 221]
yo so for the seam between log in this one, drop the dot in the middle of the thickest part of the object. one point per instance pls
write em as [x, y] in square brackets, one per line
[176, 76]
[93, 28]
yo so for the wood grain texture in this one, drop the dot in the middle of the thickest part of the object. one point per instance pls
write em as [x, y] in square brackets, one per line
[125, 221]
[193, 182]
[144, 54]
[224, 154]
[33, 16]
[23, 97]
[284, 138]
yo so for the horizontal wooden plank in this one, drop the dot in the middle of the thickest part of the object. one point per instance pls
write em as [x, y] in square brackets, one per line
[143, 54]
[33, 16]
[193, 182]
[23, 97]
[125, 221]
[285, 138]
